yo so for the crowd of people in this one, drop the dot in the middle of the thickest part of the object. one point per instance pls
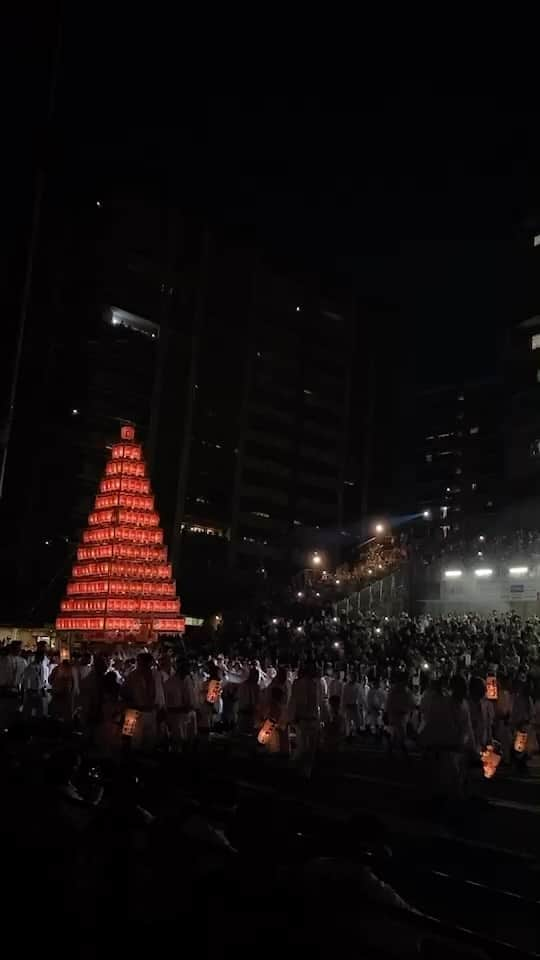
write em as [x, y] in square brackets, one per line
[296, 688]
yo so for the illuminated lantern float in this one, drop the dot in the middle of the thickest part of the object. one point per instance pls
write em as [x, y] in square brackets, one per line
[121, 586]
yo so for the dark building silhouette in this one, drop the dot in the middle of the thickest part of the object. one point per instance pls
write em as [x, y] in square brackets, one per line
[236, 376]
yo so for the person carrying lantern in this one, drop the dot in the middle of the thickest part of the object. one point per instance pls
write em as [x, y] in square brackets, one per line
[399, 706]
[274, 705]
[143, 690]
[520, 721]
[305, 715]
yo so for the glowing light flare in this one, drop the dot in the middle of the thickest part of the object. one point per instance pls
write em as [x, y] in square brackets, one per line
[453, 574]
[483, 572]
[518, 571]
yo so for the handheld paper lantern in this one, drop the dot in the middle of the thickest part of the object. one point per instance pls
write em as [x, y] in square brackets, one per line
[131, 719]
[121, 585]
[266, 730]
[490, 761]
[520, 742]
[492, 688]
[214, 691]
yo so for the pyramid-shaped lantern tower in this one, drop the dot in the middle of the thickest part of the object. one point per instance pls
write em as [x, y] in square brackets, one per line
[121, 585]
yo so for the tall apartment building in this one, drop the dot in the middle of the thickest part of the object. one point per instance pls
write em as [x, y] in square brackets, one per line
[459, 473]
[266, 459]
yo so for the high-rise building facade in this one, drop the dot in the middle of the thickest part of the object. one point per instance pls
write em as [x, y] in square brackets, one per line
[237, 381]
[459, 472]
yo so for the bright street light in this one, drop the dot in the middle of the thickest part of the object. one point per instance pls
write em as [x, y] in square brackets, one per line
[427, 514]
[274, 620]
[338, 583]
[379, 528]
[316, 559]
[299, 594]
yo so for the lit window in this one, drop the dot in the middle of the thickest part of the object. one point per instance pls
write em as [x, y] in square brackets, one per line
[473, 486]
[308, 393]
[259, 513]
[442, 436]
[461, 397]
[429, 457]
[297, 523]
[349, 483]
[474, 430]
[535, 341]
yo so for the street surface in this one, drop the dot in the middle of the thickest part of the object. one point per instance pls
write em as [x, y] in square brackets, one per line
[477, 868]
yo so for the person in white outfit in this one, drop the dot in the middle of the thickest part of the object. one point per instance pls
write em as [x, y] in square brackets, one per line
[143, 691]
[305, 714]
[352, 705]
[181, 703]
[34, 686]
[376, 702]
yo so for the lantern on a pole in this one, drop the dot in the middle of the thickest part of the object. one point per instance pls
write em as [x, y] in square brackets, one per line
[490, 761]
[266, 730]
[131, 721]
[214, 691]
[520, 741]
[492, 688]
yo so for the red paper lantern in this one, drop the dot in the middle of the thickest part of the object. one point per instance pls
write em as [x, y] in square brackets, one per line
[214, 691]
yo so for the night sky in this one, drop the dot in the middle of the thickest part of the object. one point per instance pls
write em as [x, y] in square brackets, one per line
[426, 205]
